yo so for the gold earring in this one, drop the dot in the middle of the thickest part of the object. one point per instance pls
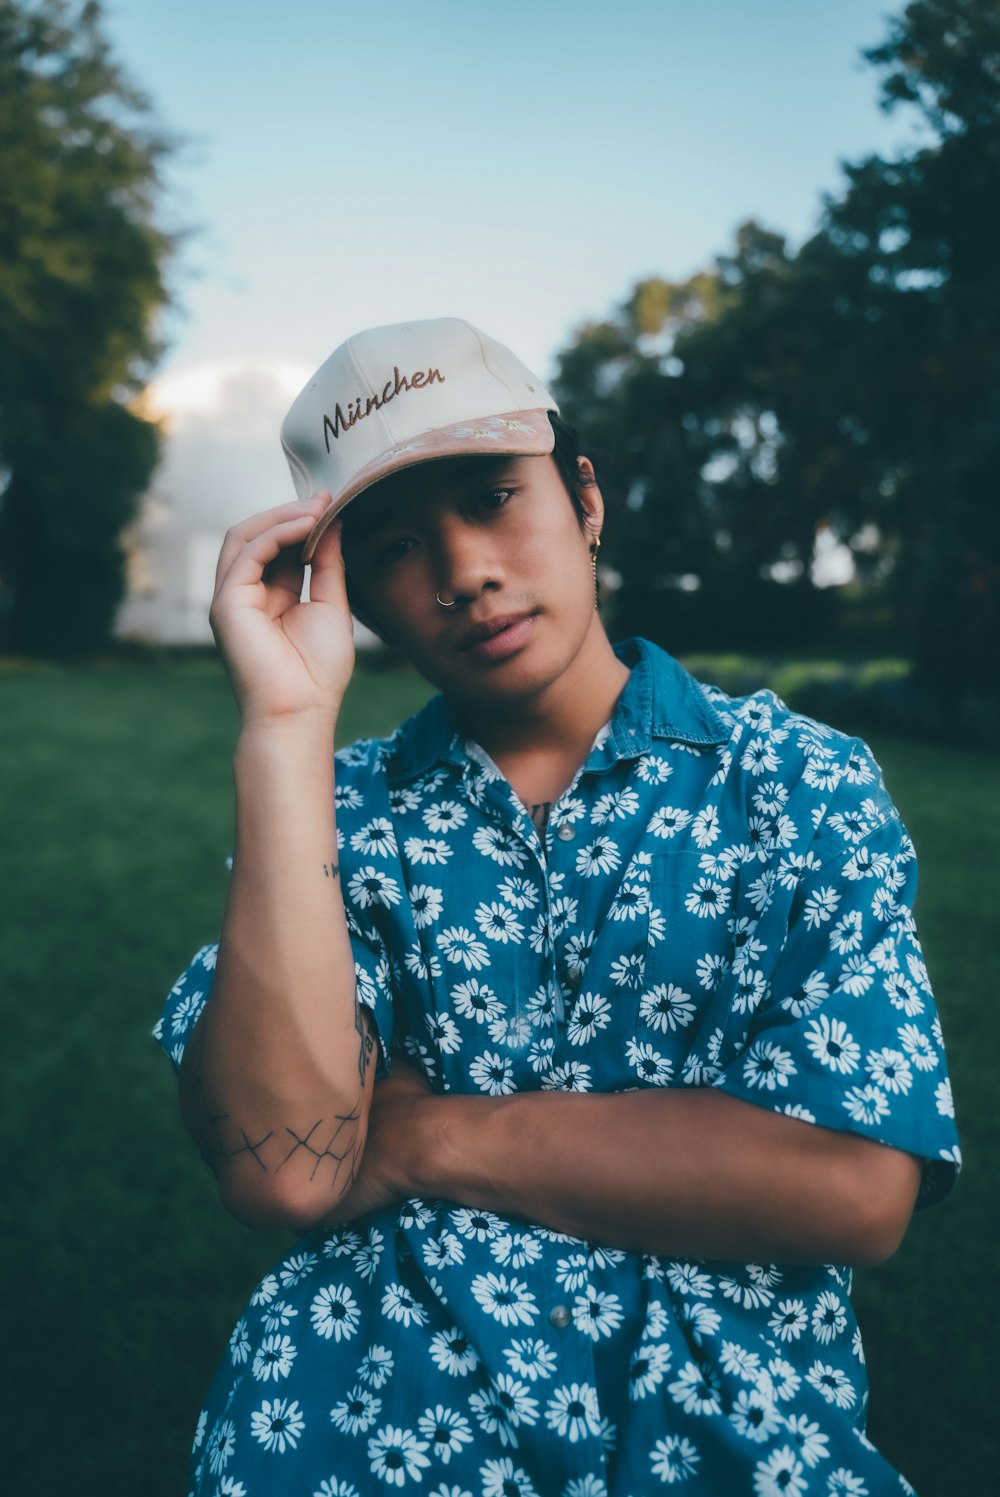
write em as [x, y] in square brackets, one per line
[595, 546]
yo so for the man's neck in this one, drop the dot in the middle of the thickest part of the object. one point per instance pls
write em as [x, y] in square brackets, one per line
[561, 721]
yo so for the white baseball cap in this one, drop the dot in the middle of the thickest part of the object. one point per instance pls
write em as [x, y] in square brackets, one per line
[391, 397]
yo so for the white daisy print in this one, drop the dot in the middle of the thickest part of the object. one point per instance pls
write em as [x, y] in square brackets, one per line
[615, 806]
[708, 898]
[274, 1358]
[649, 1064]
[499, 845]
[890, 1070]
[396, 1455]
[431, 851]
[335, 1313]
[376, 839]
[835, 1385]
[475, 1000]
[768, 1066]
[591, 1013]
[833, 1045]
[356, 1413]
[696, 1389]
[498, 923]
[597, 1313]
[754, 1417]
[601, 856]
[376, 1367]
[810, 1441]
[789, 1319]
[572, 1412]
[453, 1353]
[399, 1304]
[533, 1359]
[459, 945]
[493, 1073]
[277, 1424]
[426, 903]
[628, 971]
[221, 1445]
[509, 1301]
[445, 816]
[829, 1317]
[445, 1432]
[647, 1368]
[369, 887]
[653, 770]
[866, 1104]
[503, 1479]
[675, 1458]
[666, 1007]
[781, 1474]
[668, 821]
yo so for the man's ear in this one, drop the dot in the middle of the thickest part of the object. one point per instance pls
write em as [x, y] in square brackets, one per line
[590, 497]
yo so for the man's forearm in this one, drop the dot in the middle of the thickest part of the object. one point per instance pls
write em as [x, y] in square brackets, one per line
[276, 1081]
[690, 1173]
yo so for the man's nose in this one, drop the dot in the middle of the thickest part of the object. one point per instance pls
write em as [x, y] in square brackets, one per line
[465, 561]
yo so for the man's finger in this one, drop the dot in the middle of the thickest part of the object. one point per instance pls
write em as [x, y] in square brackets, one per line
[327, 582]
[247, 564]
[241, 534]
[283, 579]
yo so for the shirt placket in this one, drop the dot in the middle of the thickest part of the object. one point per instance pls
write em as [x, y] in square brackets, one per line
[502, 806]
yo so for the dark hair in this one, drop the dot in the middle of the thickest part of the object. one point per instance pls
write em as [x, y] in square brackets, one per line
[564, 455]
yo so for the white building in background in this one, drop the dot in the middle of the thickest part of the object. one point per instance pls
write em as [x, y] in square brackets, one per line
[222, 461]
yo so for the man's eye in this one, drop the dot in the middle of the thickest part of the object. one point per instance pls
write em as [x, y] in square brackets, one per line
[392, 550]
[496, 498]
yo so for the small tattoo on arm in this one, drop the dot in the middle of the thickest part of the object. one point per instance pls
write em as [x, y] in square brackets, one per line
[248, 1146]
[331, 870]
[349, 1153]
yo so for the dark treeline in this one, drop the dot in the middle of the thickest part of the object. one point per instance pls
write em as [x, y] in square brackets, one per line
[81, 282]
[850, 390]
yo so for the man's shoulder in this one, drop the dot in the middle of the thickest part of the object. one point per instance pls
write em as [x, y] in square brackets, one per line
[771, 740]
[763, 714]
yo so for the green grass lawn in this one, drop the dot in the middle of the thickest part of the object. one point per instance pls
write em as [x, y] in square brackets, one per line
[123, 1275]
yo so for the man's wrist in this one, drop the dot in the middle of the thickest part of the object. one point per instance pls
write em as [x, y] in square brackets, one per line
[430, 1157]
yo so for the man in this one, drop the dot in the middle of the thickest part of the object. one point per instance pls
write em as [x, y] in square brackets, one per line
[669, 1056]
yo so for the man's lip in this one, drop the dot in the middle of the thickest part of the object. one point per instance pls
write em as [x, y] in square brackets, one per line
[489, 627]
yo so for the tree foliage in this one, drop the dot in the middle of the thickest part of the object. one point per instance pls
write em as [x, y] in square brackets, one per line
[852, 387]
[81, 280]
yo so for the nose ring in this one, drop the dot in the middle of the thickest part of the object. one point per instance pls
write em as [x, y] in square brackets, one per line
[443, 603]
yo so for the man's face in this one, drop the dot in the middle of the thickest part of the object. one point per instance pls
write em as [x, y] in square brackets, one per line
[501, 539]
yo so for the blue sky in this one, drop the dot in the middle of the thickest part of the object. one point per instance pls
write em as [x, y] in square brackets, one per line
[520, 165]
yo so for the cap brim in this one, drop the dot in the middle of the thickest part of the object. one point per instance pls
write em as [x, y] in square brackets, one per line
[518, 434]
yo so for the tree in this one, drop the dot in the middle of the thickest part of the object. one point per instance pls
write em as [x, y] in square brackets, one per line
[81, 281]
[854, 385]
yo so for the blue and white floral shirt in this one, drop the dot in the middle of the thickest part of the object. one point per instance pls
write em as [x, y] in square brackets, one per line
[723, 897]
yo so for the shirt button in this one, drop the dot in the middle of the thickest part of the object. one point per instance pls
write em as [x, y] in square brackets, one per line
[560, 1316]
[565, 832]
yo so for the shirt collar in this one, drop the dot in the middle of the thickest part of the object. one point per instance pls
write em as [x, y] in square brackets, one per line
[660, 700]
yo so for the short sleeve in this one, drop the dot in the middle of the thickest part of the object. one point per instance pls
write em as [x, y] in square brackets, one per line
[848, 1034]
[192, 991]
[184, 1004]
